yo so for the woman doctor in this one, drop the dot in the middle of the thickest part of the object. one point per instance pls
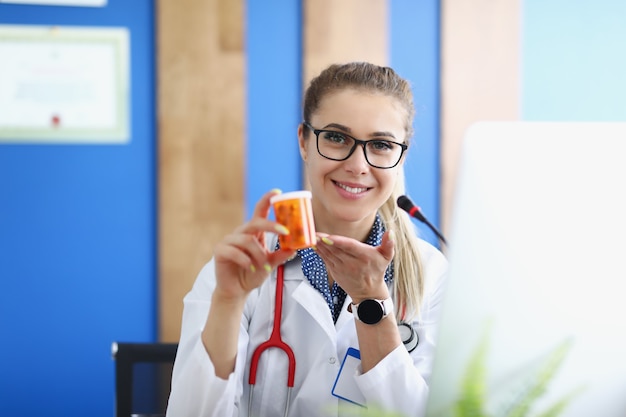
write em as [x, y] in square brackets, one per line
[367, 261]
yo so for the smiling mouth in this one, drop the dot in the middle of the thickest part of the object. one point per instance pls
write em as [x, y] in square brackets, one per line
[352, 190]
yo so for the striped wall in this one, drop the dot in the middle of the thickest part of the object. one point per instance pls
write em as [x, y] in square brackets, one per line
[480, 76]
[228, 114]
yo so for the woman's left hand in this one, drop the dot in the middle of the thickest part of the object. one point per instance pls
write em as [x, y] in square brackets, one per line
[357, 267]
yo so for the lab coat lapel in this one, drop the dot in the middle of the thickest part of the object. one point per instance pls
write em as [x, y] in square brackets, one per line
[312, 301]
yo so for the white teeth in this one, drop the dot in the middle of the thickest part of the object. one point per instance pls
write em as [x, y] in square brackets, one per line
[352, 190]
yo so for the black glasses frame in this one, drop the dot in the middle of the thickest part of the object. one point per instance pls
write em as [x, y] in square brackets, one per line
[357, 142]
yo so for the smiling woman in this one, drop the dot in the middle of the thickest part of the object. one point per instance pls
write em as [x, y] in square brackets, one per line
[344, 298]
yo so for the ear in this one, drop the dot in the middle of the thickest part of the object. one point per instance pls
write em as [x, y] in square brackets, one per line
[302, 142]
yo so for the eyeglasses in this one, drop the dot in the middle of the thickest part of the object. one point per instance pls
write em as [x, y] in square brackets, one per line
[338, 146]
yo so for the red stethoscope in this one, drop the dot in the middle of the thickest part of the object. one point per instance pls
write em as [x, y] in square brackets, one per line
[407, 333]
[275, 341]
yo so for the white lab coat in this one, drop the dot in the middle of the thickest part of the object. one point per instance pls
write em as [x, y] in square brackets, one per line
[398, 382]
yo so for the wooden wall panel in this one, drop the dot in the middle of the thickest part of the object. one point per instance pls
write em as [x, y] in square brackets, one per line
[340, 32]
[343, 31]
[480, 75]
[201, 127]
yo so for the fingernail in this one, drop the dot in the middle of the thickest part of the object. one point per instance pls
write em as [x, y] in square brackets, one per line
[392, 236]
[281, 229]
[327, 240]
[267, 267]
[276, 190]
[252, 268]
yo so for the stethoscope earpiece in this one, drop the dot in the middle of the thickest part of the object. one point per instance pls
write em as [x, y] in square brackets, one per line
[408, 335]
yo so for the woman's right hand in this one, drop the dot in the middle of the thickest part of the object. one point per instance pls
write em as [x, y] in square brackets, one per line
[242, 260]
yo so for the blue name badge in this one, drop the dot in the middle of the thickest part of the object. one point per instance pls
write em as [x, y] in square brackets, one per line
[345, 386]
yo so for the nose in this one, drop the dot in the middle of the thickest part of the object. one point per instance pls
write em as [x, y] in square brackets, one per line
[357, 162]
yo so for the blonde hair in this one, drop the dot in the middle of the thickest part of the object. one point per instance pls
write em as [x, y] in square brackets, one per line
[408, 282]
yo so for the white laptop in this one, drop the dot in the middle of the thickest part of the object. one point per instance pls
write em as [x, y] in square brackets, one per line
[534, 318]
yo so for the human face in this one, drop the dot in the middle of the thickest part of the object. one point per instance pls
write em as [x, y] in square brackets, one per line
[347, 194]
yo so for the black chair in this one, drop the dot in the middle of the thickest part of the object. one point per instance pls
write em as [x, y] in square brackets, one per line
[143, 373]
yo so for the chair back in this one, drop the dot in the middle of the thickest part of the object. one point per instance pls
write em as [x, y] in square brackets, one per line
[143, 373]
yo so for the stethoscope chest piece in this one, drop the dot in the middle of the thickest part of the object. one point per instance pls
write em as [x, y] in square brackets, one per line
[408, 335]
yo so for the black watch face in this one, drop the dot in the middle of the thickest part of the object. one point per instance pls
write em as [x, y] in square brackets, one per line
[370, 311]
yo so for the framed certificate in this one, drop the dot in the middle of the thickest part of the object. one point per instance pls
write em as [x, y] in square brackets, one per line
[87, 3]
[64, 84]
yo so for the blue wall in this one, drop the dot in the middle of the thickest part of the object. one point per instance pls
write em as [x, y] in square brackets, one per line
[574, 60]
[274, 99]
[415, 55]
[77, 242]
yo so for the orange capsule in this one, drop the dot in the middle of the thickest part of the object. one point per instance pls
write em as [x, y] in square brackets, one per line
[293, 210]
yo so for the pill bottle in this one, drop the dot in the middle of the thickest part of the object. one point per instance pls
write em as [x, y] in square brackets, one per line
[293, 210]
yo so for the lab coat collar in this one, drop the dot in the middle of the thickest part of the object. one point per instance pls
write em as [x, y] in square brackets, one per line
[313, 303]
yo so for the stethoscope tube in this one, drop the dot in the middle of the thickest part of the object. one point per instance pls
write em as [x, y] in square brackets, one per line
[275, 341]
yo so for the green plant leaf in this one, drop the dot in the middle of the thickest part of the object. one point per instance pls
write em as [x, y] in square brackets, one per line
[471, 403]
[557, 408]
[473, 393]
[524, 401]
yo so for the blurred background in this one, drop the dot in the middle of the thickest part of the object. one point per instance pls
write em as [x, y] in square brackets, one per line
[99, 242]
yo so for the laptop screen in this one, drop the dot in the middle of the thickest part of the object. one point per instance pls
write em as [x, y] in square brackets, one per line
[534, 317]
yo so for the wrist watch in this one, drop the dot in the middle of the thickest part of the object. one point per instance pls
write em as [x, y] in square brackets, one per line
[371, 311]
